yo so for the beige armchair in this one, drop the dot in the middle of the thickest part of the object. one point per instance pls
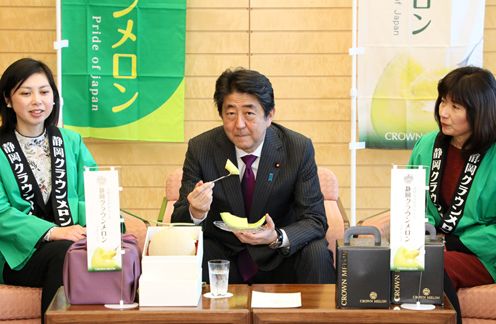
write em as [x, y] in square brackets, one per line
[22, 305]
[328, 185]
[476, 303]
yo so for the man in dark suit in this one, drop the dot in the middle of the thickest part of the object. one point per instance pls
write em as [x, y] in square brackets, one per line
[292, 247]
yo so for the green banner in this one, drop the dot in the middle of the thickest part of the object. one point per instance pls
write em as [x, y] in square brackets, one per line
[123, 71]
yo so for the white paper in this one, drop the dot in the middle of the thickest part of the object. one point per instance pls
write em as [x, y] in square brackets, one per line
[103, 226]
[407, 228]
[275, 300]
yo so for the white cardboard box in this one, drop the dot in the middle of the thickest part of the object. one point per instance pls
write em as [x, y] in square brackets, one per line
[171, 280]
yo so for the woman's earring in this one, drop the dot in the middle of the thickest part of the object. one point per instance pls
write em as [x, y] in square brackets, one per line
[9, 106]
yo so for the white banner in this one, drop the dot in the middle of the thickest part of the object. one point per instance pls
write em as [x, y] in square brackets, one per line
[408, 47]
[407, 227]
[103, 230]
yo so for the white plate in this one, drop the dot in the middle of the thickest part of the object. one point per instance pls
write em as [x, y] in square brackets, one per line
[418, 306]
[225, 227]
[122, 306]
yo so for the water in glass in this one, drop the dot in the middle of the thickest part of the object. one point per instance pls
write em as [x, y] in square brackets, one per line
[218, 271]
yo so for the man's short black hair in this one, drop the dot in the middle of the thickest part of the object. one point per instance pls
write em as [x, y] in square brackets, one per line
[244, 81]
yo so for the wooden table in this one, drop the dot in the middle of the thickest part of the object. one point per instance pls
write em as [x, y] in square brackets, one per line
[319, 306]
[226, 310]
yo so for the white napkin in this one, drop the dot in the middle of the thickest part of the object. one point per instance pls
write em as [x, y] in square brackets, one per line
[275, 300]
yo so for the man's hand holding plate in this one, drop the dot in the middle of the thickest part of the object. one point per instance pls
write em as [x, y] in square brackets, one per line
[265, 236]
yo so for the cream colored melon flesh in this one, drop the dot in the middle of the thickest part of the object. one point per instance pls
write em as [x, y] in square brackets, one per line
[240, 223]
[172, 241]
[231, 168]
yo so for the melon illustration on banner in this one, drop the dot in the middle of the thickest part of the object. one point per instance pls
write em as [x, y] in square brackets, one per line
[404, 97]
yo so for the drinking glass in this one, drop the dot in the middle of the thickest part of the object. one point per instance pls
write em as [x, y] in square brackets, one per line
[218, 273]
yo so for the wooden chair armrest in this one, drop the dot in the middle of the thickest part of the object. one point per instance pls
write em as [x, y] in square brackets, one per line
[379, 220]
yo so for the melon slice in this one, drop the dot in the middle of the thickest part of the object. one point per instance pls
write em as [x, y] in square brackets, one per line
[231, 168]
[240, 223]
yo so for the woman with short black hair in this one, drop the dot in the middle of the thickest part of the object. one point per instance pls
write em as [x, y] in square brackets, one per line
[461, 158]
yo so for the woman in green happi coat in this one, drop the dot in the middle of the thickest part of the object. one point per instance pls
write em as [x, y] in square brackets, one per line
[461, 159]
[42, 207]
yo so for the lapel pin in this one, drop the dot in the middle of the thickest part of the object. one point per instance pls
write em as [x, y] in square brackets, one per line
[277, 165]
[271, 176]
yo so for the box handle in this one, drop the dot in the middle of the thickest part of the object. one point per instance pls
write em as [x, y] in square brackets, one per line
[429, 228]
[362, 230]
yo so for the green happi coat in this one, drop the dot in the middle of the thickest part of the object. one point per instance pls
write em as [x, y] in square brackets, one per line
[20, 233]
[477, 227]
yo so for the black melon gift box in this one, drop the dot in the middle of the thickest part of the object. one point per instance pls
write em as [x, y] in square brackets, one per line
[424, 286]
[363, 272]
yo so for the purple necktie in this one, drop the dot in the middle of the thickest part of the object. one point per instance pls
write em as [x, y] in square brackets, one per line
[246, 266]
[248, 182]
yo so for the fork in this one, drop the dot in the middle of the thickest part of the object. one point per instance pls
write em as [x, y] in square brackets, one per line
[220, 178]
